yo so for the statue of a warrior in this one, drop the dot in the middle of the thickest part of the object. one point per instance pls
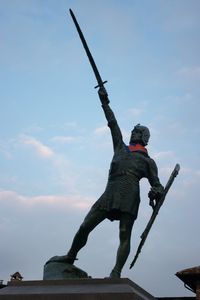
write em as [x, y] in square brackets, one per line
[121, 198]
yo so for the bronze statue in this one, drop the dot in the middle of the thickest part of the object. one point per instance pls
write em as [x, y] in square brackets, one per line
[121, 198]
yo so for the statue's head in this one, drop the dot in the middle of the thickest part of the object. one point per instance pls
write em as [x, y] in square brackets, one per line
[140, 134]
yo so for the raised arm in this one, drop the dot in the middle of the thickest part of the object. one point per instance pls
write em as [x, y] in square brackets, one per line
[110, 117]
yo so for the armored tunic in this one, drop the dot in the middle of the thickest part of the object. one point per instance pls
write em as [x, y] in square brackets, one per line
[122, 193]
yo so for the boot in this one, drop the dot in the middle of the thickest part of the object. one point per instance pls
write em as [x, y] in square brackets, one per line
[69, 259]
[115, 274]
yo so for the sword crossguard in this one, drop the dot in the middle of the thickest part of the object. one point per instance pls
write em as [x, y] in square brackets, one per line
[100, 84]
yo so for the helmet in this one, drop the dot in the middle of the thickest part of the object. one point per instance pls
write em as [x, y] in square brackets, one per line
[140, 134]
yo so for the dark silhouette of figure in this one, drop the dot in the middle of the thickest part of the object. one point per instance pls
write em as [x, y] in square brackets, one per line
[121, 198]
[16, 276]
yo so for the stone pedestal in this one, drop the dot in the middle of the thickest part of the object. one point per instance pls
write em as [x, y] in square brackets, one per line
[79, 289]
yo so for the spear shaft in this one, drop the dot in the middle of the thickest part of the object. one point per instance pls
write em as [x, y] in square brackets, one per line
[155, 213]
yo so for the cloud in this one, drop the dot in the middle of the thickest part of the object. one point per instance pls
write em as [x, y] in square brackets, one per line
[34, 128]
[41, 149]
[65, 139]
[72, 202]
[135, 112]
[101, 131]
[163, 154]
[193, 72]
[4, 151]
[47, 221]
[66, 173]
[69, 125]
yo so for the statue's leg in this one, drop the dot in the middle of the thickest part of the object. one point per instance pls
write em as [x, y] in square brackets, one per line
[125, 229]
[93, 218]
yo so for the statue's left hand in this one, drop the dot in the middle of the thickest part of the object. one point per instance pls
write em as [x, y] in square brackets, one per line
[154, 195]
[152, 203]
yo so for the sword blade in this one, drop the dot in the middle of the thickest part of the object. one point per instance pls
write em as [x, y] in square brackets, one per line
[89, 55]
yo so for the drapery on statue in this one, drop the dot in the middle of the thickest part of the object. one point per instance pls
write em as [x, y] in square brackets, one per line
[121, 198]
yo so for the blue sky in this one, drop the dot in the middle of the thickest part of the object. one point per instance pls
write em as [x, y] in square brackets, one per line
[55, 147]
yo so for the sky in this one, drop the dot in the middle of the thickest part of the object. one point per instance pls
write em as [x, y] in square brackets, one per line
[55, 146]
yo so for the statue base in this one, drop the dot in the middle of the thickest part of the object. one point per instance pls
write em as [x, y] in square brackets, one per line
[74, 289]
[56, 269]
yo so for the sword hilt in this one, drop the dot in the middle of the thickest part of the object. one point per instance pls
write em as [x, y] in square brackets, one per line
[100, 84]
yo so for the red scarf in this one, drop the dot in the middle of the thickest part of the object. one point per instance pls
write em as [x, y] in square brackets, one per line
[137, 147]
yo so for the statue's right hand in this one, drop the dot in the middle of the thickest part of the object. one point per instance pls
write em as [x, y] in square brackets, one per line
[102, 91]
[103, 95]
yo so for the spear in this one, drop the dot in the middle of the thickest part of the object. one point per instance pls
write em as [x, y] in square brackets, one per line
[155, 213]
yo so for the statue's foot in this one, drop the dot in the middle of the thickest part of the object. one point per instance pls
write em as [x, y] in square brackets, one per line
[64, 259]
[115, 274]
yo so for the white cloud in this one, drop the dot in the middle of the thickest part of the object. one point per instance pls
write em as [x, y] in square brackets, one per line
[3, 150]
[34, 128]
[101, 131]
[135, 112]
[66, 173]
[70, 125]
[65, 139]
[163, 154]
[193, 72]
[75, 202]
[41, 149]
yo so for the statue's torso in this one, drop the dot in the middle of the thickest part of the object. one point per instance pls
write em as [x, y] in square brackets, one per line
[126, 162]
[122, 190]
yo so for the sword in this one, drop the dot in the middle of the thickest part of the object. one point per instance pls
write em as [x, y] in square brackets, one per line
[89, 55]
[155, 212]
